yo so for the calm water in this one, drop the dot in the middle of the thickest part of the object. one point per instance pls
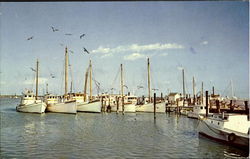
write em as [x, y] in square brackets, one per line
[105, 135]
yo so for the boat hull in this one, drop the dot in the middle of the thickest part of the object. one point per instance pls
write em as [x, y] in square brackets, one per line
[231, 138]
[128, 108]
[66, 107]
[94, 107]
[32, 108]
[149, 108]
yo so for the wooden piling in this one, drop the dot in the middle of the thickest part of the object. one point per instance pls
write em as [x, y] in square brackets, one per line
[117, 104]
[207, 104]
[123, 110]
[218, 106]
[177, 106]
[154, 105]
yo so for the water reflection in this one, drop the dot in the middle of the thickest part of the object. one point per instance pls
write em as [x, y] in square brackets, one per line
[105, 135]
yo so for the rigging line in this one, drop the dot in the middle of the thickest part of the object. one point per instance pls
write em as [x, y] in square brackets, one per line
[117, 74]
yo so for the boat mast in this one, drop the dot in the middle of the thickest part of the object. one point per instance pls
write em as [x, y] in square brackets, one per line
[90, 80]
[66, 71]
[47, 90]
[194, 92]
[37, 63]
[149, 81]
[183, 84]
[85, 84]
[121, 80]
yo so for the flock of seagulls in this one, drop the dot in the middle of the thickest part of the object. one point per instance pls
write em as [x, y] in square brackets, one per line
[68, 34]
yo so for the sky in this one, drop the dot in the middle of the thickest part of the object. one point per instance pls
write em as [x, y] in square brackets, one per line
[209, 40]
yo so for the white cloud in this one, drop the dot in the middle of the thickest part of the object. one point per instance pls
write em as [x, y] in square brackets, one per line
[204, 42]
[138, 48]
[107, 55]
[134, 56]
[2, 82]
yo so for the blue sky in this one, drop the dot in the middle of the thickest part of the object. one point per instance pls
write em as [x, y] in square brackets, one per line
[208, 39]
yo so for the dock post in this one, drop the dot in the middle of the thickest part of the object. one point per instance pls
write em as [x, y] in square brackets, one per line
[247, 109]
[161, 97]
[177, 105]
[123, 105]
[207, 104]
[102, 104]
[218, 106]
[117, 104]
[154, 105]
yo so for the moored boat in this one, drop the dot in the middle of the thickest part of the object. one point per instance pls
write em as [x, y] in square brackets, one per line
[30, 102]
[232, 129]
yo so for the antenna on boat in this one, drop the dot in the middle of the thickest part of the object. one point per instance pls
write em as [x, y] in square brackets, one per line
[122, 81]
[85, 83]
[66, 71]
[90, 80]
[148, 64]
[37, 63]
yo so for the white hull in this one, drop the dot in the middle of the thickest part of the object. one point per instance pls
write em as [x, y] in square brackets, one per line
[94, 107]
[128, 108]
[195, 115]
[149, 108]
[66, 107]
[32, 108]
[230, 137]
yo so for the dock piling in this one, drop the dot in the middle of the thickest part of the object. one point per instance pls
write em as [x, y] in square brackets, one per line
[207, 104]
[154, 106]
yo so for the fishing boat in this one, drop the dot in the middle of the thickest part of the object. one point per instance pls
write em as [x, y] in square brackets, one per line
[30, 102]
[65, 103]
[232, 129]
[147, 105]
[198, 110]
[92, 105]
[127, 106]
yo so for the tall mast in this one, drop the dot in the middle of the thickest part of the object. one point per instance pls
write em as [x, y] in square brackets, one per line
[149, 81]
[37, 63]
[194, 89]
[47, 89]
[183, 84]
[90, 80]
[66, 71]
[121, 81]
[85, 84]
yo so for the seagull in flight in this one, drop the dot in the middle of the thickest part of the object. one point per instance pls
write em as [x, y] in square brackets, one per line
[54, 29]
[61, 44]
[85, 50]
[52, 76]
[32, 69]
[81, 36]
[30, 38]
[138, 87]
[68, 34]
[125, 86]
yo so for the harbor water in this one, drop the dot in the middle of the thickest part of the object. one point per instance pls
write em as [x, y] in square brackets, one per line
[104, 135]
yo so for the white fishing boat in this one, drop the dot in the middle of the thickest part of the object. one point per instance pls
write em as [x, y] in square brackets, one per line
[85, 104]
[63, 104]
[198, 110]
[149, 108]
[229, 128]
[147, 105]
[29, 102]
[129, 104]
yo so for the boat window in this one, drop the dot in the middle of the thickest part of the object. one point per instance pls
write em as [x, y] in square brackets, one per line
[201, 107]
[25, 96]
[218, 123]
[211, 121]
[30, 96]
[225, 117]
